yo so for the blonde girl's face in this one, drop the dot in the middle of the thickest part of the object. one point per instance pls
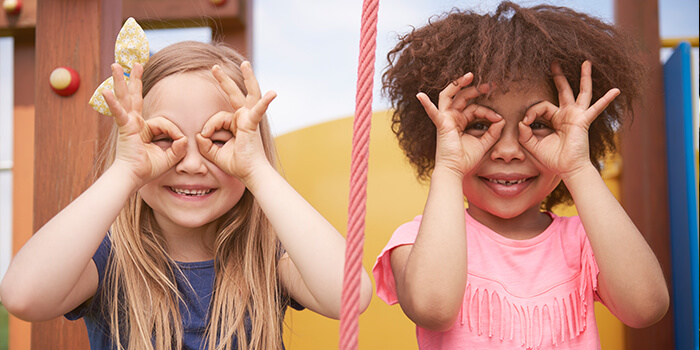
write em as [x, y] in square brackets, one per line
[195, 192]
[509, 182]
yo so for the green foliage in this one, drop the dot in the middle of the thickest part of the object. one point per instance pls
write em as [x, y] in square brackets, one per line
[3, 328]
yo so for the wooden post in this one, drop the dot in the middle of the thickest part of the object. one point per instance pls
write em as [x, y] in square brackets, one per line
[79, 34]
[644, 179]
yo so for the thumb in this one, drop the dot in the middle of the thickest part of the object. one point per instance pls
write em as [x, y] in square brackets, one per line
[176, 151]
[207, 148]
[527, 138]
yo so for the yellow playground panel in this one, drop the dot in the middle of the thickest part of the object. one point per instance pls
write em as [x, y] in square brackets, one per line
[316, 161]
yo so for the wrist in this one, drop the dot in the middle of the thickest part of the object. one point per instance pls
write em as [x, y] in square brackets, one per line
[447, 171]
[121, 173]
[580, 174]
[257, 176]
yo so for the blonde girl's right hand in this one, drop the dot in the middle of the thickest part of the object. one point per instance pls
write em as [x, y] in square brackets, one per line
[135, 143]
[458, 149]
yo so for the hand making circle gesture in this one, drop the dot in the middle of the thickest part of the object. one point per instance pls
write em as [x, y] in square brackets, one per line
[456, 148]
[244, 152]
[134, 143]
[565, 150]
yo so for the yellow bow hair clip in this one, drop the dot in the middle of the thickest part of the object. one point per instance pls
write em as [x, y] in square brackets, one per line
[131, 47]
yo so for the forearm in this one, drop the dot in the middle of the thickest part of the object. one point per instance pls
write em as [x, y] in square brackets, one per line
[49, 265]
[630, 281]
[316, 248]
[434, 278]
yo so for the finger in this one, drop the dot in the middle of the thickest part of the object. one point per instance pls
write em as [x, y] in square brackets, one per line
[430, 109]
[235, 95]
[566, 95]
[464, 96]
[135, 87]
[257, 112]
[493, 133]
[160, 126]
[176, 151]
[251, 83]
[120, 115]
[446, 95]
[207, 148]
[599, 106]
[586, 86]
[219, 121]
[544, 109]
[527, 137]
[120, 88]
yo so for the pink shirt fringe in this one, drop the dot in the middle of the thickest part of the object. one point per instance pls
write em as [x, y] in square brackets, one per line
[521, 294]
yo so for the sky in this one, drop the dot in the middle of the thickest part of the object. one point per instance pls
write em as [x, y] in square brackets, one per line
[307, 50]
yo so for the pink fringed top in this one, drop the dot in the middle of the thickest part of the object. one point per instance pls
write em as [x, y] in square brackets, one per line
[520, 294]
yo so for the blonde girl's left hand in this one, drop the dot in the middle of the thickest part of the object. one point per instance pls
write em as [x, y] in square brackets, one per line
[558, 135]
[244, 151]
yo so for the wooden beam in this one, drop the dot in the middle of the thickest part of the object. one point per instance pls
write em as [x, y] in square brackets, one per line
[67, 130]
[151, 14]
[155, 14]
[21, 24]
[644, 179]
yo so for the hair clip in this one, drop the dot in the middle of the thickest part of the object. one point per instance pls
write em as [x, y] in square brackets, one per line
[131, 47]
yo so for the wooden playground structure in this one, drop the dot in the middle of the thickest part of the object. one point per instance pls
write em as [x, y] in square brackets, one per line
[56, 138]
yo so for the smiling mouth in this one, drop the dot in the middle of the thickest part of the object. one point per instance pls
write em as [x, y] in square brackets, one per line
[192, 193]
[507, 182]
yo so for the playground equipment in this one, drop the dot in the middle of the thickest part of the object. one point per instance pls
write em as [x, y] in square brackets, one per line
[57, 122]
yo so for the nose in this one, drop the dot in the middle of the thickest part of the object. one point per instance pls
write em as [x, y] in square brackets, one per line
[193, 162]
[508, 148]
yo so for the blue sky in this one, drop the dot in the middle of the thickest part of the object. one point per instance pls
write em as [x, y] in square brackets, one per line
[306, 50]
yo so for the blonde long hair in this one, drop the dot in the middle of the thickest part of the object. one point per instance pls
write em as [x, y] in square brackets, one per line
[141, 288]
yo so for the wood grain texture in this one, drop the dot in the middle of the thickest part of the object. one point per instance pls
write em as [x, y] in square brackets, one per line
[69, 33]
[644, 178]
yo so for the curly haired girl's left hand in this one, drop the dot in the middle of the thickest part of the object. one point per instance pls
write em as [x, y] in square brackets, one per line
[558, 135]
[244, 151]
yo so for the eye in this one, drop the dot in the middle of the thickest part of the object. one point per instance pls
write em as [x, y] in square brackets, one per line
[541, 127]
[538, 125]
[477, 127]
[219, 143]
[220, 137]
[163, 142]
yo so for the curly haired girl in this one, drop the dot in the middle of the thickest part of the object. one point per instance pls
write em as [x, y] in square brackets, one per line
[515, 111]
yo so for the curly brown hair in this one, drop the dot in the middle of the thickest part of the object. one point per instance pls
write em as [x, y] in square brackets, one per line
[512, 45]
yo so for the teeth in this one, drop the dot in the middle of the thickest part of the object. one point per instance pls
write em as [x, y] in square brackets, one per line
[190, 192]
[507, 182]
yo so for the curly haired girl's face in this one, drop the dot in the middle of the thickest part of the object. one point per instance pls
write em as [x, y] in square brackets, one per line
[195, 192]
[509, 182]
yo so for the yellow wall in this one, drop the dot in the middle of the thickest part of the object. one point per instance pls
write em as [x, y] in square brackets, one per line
[316, 161]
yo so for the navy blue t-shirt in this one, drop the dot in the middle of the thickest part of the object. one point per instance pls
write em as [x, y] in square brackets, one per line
[193, 311]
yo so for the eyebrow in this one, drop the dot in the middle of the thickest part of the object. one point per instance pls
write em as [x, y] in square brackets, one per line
[521, 111]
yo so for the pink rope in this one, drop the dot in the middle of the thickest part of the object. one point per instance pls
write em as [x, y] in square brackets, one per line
[350, 309]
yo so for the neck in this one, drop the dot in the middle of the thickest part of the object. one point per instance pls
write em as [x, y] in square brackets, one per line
[527, 225]
[191, 244]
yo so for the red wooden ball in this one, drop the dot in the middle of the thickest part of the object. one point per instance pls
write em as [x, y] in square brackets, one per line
[12, 7]
[64, 81]
[218, 2]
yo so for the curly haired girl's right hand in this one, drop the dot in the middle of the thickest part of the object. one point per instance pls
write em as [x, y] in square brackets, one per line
[147, 148]
[457, 148]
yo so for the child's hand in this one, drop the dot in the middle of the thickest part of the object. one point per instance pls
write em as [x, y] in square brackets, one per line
[244, 152]
[456, 149]
[565, 150]
[134, 144]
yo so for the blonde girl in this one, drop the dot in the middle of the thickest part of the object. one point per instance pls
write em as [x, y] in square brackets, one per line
[206, 244]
